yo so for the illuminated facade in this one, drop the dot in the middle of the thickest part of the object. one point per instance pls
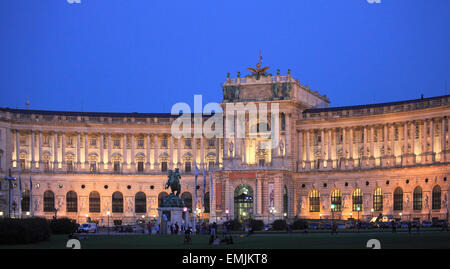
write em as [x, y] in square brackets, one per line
[364, 160]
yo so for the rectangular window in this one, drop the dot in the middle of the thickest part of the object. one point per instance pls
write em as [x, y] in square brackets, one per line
[210, 165]
[211, 142]
[164, 142]
[164, 166]
[140, 167]
[141, 143]
[94, 142]
[116, 143]
[22, 164]
[262, 162]
[187, 142]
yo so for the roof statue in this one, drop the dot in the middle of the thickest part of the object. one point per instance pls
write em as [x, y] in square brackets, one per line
[258, 71]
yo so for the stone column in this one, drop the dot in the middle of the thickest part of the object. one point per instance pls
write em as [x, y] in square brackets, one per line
[17, 148]
[365, 140]
[147, 145]
[443, 139]
[102, 152]
[78, 150]
[55, 150]
[372, 142]
[385, 140]
[393, 139]
[101, 165]
[155, 152]
[405, 138]
[350, 147]
[300, 149]
[33, 141]
[344, 143]
[308, 162]
[424, 137]
[125, 157]
[432, 137]
[109, 152]
[329, 161]
[322, 148]
[259, 196]
[63, 149]
[86, 150]
[413, 136]
[40, 151]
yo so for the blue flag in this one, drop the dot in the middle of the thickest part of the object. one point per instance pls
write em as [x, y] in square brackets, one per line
[204, 186]
[211, 187]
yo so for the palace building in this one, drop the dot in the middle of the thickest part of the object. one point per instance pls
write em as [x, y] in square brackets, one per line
[329, 162]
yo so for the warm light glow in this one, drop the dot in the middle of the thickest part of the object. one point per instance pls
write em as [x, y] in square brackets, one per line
[107, 213]
[184, 209]
[28, 213]
[227, 211]
[371, 210]
[243, 214]
[87, 215]
[285, 214]
[1, 213]
[332, 206]
[143, 216]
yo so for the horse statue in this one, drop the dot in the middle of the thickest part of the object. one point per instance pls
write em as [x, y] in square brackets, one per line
[174, 182]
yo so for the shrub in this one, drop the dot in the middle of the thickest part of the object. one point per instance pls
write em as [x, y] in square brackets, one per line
[24, 231]
[63, 226]
[279, 224]
[300, 224]
[256, 225]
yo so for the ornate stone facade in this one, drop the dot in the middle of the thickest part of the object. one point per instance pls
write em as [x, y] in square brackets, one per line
[386, 158]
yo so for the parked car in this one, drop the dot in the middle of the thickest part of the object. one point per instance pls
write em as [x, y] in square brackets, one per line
[341, 226]
[426, 224]
[313, 226]
[267, 227]
[325, 226]
[438, 223]
[88, 228]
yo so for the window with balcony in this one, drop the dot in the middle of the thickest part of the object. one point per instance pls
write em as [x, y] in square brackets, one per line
[140, 167]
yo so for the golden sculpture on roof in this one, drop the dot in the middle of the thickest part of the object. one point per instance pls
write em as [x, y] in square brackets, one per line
[258, 71]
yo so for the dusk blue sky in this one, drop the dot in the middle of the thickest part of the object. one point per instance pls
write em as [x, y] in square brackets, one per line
[144, 56]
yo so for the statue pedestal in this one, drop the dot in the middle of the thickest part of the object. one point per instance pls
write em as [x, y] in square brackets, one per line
[171, 215]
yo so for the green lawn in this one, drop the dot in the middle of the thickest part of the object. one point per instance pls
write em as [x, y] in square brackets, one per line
[259, 241]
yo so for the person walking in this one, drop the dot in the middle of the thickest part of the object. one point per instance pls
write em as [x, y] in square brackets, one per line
[149, 228]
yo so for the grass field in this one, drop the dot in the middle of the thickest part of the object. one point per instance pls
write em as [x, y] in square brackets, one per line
[425, 240]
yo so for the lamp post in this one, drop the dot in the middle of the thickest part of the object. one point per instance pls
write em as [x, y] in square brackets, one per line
[227, 212]
[107, 214]
[358, 208]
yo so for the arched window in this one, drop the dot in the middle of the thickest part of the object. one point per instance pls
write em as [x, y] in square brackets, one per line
[357, 199]
[117, 202]
[71, 202]
[417, 198]
[378, 200]
[436, 204]
[206, 202]
[398, 199]
[140, 203]
[94, 202]
[161, 197]
[49, 201]
[25, 201]
[285, 200]
[243, 202]
[314, 201]
[336, 200]
[187, 198]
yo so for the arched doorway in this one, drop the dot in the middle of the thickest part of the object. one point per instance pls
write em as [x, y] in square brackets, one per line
[243, 202]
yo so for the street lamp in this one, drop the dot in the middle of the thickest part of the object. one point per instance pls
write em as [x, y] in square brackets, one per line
[227, 212]
[107, 214]
[358, 208]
